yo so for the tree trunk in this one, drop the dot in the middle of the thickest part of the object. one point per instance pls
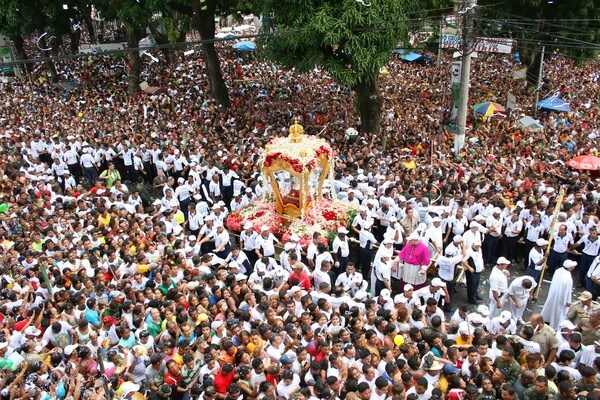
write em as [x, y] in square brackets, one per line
[161, 39]
[20, 52]
[204, 19]
[75, 36]
[368, 105]
[135, 63]
[89, 24]
[40, 24]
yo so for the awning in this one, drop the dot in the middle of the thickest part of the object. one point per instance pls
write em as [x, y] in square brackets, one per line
[410, 56]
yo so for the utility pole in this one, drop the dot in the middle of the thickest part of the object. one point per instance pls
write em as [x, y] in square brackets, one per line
[439, 56]
[539, 82]
[465, 73]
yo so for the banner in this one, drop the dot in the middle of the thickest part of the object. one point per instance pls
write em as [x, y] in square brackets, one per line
[481, 44]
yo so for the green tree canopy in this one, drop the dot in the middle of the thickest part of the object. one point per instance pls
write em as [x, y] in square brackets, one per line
[351, 39]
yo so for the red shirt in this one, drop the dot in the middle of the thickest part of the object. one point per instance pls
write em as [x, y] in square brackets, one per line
[303, 279]
[223, 381]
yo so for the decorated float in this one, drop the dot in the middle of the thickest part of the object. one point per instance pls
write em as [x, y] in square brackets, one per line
[299, 170]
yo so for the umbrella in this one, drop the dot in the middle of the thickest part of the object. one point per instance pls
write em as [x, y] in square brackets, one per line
[554, 104]
[488, 108]
[245, 46]
[589, 162]
[530, 123]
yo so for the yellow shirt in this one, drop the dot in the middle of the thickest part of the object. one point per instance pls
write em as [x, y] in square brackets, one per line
[104, 220]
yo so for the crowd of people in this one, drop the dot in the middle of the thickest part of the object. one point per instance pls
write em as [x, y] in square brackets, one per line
[120, 278]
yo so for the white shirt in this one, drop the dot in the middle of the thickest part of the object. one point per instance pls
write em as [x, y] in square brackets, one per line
[498, 282]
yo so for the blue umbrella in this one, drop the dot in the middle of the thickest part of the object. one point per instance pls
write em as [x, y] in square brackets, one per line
[554, 104]
[245, 46]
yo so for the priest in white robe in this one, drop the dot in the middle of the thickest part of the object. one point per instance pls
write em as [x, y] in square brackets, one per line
[559, 295]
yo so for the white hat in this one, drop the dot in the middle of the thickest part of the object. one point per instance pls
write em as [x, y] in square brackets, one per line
[408, 287]
[295, 289]
[192, 238]
[520, 204]
[180, 180]
[541, 242]
[505, 316]
[435, 366]
[566, 324]
[288, 246]
[476, 319]
[550, 189]
[342, 229]
[129, 387]
[70, 348]
[437, 282]
[248, 190]
[387, 241]
[569, 264]
[192, 285]
[399, 299]
[385, 293]
[216, 206]
[436, 219]
[463, 328]
[393, 219]
[248, 225]
[216, 324]
[457, 238]
[473, 224]
[483, 310]
[218, 224]
[496, 210]
[32, 331]
[413, 236]
[233, 264]
[295, 238]
[209, 218]
[264, 228]
[240, 277]
[360, 295]
[157, 202]
[502, 260]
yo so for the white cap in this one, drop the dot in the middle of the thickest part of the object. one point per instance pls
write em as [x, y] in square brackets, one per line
[541, 242]
[288, 246]
[387, 241]
[569, 264]
[264, 228]
[192, 238]
[566, 324]
[399, 299]
[248, 225]
[505, 316]
[360, 295]
[408, 287]
[437, 282]
[216, 324]
[342, 229]
[240, 277]
[520, 204]
[70, 348]
[129, 387]
[295, 238]
[496, 210]
[436, 219]
[385, 293]
[483, 310]
[463, 328]
[457, 238]
[32, 331]
[233, 264]
[502, 260]
[414, 236]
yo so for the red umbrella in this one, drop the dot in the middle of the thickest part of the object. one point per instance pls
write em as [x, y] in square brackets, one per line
[589, 162]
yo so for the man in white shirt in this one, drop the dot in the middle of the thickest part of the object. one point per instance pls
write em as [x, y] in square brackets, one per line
[519, 293]
[498, 286]
[560, 246]
[341, 249]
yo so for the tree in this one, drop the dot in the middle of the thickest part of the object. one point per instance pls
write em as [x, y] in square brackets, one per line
[570, 28]
[204, 22]
[351, 39]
